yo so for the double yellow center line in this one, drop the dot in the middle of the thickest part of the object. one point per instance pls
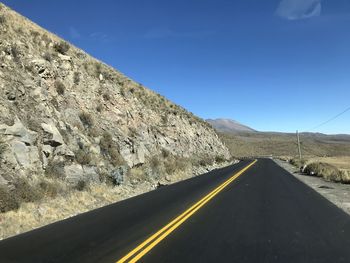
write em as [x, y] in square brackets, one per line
[152, 241]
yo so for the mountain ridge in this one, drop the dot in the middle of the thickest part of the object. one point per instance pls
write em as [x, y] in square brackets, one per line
[229, 125]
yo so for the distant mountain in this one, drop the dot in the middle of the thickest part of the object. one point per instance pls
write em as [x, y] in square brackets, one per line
[230, 126]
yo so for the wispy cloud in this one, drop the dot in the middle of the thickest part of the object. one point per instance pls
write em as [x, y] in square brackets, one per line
[299, 9]
[164, 32]
[74, 33]
[100, 36]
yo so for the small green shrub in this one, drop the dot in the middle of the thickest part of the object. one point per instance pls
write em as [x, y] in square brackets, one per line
[99, 107]
[175, 163]
[15, 53]
[220, 159]
[83, 156]
[136, 174]
[26, 192]
[8, 200]
[3, 148]
[106, 96]
[106, 142]
[34, 34]
[81, 185]
[46, 39]
[49, 189]
[47, 56]
[164, 119]
[76, 78]
[60, 88]
[206, 160]
[122, 92]
[62, 47]
[55, 169]
[165, 153]
[2, 20]
[116, 158]
[109, 148]
[86, 119]
[94, 132]
[155, 162]
[98, 69]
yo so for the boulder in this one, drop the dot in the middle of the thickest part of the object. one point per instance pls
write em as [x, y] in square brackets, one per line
[64, 57]
[63, 150]
[74, 174]
[43, 68]
[134, 156]
[52, 136]
[19, 130]
[26, 156]
[139, 156]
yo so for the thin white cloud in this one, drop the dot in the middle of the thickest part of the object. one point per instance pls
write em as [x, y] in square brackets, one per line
[164, 32]
[73, 32]
[100, 36]
[160, 32]
[299, 9]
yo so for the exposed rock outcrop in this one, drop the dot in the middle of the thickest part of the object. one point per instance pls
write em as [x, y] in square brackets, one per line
[60, 106]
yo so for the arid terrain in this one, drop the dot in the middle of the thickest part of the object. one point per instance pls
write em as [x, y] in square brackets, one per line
[285, 144]
[76, 134]
[325, 156]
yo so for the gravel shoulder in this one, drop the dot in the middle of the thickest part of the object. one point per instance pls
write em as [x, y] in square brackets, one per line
[338, 194]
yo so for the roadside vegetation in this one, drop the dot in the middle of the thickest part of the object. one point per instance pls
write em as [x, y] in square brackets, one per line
[329, 168]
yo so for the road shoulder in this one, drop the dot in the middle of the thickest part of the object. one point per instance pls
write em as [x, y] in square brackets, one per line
[338, 194]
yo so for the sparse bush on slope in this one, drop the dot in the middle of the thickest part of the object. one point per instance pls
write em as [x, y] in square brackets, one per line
[8, 201]
[2, 20]
[62, 47]
[2, 148]
[60, 88]
[86, 119]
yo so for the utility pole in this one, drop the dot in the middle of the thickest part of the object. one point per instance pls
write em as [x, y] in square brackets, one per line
[299, 149]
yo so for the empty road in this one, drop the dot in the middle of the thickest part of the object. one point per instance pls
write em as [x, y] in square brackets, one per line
[248, 212]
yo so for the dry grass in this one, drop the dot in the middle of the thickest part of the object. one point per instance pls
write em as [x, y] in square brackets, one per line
[341, 162]
[335, 169]
[34, 215]
[59, 202]
[324, 170]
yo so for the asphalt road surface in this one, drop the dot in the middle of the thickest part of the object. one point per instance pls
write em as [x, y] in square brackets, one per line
[248, 212]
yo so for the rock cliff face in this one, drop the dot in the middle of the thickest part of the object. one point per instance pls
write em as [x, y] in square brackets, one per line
[68, 115]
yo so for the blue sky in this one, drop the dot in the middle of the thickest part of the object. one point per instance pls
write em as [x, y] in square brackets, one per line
[276, 65]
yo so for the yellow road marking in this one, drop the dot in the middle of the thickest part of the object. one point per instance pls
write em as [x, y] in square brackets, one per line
[152, 241]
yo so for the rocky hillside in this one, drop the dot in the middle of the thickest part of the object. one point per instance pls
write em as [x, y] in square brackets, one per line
[68, 116]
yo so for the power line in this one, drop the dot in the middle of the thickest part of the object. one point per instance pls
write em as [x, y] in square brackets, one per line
[327, 121]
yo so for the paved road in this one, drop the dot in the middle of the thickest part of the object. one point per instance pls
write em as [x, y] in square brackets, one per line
[261, 215]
